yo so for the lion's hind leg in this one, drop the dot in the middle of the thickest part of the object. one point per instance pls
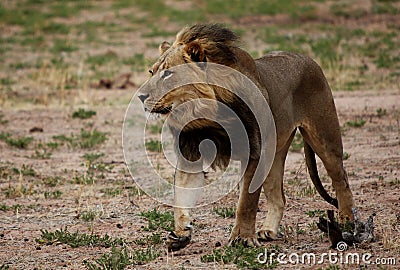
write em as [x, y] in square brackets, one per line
[326, 142]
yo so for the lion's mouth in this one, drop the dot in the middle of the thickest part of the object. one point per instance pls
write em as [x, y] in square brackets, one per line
[162, 110]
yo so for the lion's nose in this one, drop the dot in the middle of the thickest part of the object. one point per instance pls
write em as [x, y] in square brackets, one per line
[143, 97]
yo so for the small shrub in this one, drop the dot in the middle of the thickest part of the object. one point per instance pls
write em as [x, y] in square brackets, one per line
[158, 220]
[356, 123]
[154, 145]
[225, 212]
[83, 114]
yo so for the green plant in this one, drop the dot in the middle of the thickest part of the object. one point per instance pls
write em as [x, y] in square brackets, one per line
[90, 157]
[297, 143]
[356, 123]
[158, 220]
[242, 257]
[51, 181]
[89, 215]
[111, 192]
[25, 170]
[2, 120]
[52, 195]
[77, 239]
[155, 129]
[315, 213]
[85, 179]
[83, 114]
[89, 139]
[225, 212]
[346, 156]
[86, 139]
[41, 154]
[153, 239]
[119, 259]
[21, 142]
[308, 191]
[154, 145]
[4, 267]
[380, 112]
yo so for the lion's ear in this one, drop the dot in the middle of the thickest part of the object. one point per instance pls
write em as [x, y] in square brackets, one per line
[195, 52]
[163, 47]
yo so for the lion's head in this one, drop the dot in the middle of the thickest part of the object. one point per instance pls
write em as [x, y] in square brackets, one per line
[195, 46]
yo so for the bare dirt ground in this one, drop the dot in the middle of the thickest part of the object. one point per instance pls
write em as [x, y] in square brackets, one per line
[373, 167]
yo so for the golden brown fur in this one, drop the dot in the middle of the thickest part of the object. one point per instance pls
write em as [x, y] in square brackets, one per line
[299, 97]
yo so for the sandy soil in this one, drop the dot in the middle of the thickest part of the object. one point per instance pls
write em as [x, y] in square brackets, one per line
[373, 167]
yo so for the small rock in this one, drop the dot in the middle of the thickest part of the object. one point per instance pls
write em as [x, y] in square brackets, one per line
[119, 226]
[218, 244]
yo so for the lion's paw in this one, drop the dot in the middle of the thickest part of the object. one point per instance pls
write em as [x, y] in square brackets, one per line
[266, 236]
[175, 242]
[245, 241]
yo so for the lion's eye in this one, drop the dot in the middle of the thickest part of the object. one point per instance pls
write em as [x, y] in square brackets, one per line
[166, 73]
[151, 72]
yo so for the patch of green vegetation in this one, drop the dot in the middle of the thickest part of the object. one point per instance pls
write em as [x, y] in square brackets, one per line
[137, 62]
[153, 145]
[158, 8]
[120, 258]
[83, 114]
[158, 220]
[4, 267]
[225, 212]
[62, 45]
[51, 181]
[86, 139]
[91, 157]
[155, 129]
[2, 122]
[157, 32]
[356, 123]
[111, 192]
[315, 213]
[89, 215]
[85, 179]
[4, 207]
[242, 8]
[308, 191]
[17, 191]
[346, 156]
[25, 170]
[52, 194]
[242, 257]
[6, 81]
[101, 59]
[297, 143]
[41, 154]
[149, 240]
[384, 7]
[380, 112]
[77, 239]
[21, 142]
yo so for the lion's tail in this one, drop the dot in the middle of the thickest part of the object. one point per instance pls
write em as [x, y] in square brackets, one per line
[312, 169]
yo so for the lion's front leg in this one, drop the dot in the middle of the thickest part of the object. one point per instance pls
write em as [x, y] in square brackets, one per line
[244, 230]
[188, 187]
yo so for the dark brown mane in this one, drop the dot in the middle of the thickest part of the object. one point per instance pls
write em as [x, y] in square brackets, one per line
[218, 42]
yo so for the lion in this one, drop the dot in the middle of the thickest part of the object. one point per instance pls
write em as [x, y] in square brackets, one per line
[299, 97]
